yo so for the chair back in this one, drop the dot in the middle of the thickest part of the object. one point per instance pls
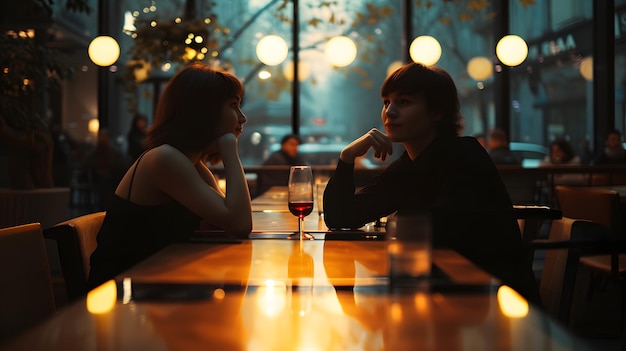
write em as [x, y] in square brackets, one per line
[76, 241]
[597, 205]
[26, 296]
[568, 240]
[553, 272]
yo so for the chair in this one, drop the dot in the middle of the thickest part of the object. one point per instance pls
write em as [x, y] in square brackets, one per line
[600, 206]
[530, 219]
[76, 240]
[26, 296]
[569, 240]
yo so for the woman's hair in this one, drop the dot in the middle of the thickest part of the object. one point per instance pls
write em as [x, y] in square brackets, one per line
[189, 110]
[436, 87]
[566, 147]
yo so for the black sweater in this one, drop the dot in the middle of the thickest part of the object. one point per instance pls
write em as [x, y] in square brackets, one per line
[456, 181]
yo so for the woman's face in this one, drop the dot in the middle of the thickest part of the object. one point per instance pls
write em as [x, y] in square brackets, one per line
[407, 119]
[557, 153]
[232, 118]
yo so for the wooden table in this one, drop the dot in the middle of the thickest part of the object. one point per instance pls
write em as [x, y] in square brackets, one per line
[277, 294]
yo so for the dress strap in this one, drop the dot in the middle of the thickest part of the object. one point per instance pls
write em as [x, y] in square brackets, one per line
[130, 186]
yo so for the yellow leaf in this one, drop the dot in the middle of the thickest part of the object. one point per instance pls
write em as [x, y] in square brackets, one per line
[314, 22]
[367, 84]
[360, 71]
[272, 94]
[465, 16]
[527, 2]
[477, 5]
[445, 20]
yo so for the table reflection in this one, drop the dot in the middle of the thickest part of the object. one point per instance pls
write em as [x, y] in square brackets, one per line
[292, 295]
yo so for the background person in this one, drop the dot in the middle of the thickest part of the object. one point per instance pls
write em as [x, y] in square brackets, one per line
[169, 189]
[613, 152]
[288, 155]
[451, 177]
[562, 154]
[498, 146]
[137, 135]
[482, 140]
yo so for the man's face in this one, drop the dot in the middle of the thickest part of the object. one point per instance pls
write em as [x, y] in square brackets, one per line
[557, 153]
[290, 147]
[613, 141]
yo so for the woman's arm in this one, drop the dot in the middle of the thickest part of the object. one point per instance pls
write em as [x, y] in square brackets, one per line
[208, 177]
[237, 191]
[179, 179]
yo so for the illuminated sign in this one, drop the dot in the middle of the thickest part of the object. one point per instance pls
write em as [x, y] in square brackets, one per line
[552, 47]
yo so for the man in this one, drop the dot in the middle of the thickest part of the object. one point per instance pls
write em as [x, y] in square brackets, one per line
[450, 177]
[287, 156]
[613, 152]
[498, 146]
[288, 153]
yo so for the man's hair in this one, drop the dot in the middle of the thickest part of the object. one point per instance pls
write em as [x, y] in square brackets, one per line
[498, 135]
[614, 131]
[189, 111]
[288, 137]
[436, 87]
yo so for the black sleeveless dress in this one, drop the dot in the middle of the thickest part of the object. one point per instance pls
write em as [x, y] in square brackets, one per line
[130, 233]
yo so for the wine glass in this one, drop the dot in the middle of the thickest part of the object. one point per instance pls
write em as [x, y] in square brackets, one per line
[301, 196]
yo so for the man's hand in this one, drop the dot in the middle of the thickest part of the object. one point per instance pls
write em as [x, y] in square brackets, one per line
[373, 139]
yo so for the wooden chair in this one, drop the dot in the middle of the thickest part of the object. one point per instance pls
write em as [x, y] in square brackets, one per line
[26, 296]
[530, 219]
[76, 240]
[568, 242]
[602, 207]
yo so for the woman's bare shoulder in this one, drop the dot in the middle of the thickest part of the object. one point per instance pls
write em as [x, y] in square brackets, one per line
[164, 157]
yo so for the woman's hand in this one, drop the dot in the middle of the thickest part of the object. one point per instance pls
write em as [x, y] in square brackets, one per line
[373, 139]
[227, 146]
[214, 154]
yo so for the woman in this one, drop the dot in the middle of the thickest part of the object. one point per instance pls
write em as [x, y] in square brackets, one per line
[451, 177]
[562, 154]
[169, 188]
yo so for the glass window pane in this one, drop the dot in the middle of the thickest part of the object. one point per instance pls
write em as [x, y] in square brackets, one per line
[550, 98]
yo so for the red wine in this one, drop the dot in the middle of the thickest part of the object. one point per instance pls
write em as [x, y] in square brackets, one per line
[301, 208]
